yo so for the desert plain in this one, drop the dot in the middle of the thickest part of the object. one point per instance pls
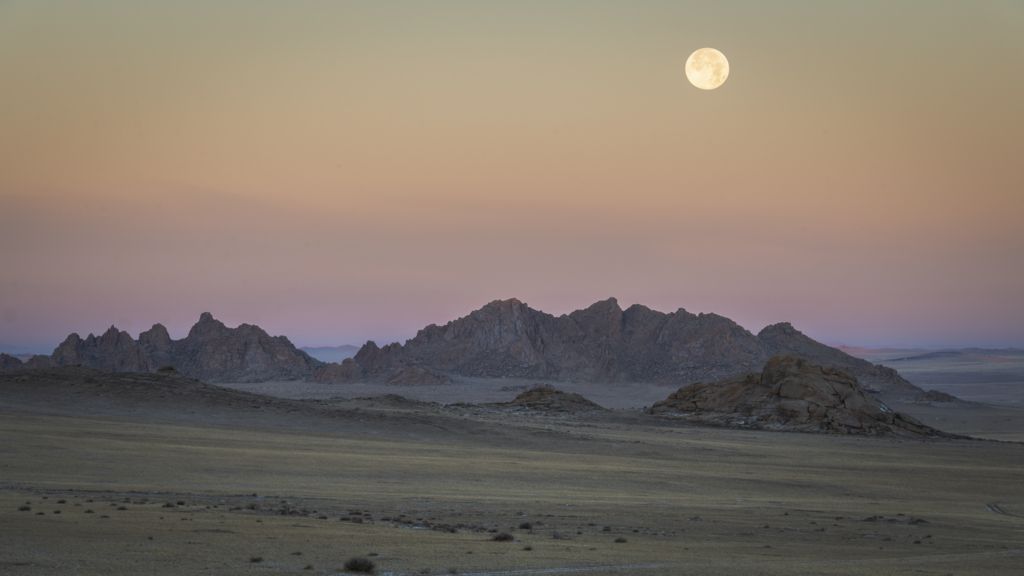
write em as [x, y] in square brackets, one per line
[117, 473]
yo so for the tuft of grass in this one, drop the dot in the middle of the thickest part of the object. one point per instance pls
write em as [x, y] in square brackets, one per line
[620, 540]
[362, 565]
[525, 526]
[308, 567]
[502, 537]
[255, 559]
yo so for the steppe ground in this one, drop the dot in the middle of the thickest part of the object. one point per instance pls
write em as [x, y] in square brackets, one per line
[161, 475]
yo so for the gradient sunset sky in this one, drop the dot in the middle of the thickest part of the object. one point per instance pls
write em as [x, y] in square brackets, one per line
[344, 171]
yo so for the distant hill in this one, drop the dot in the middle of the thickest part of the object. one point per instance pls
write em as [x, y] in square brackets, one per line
[331, 353]
[211, 352]
[601, 344]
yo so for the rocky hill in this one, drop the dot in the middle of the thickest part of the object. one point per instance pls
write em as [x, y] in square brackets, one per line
[602, 343]
[7, 362]
[791, 392]
[211, 352]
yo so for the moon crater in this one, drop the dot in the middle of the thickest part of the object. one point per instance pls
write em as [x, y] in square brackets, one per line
[707, 68]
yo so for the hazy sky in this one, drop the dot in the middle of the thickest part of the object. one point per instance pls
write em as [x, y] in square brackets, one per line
[344, 171]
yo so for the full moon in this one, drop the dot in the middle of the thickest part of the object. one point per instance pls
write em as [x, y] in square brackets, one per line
[707, 68]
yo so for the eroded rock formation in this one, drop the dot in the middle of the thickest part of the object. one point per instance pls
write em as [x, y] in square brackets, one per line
[8, 362]
[791, 392]
[604, 344]
[211, 352]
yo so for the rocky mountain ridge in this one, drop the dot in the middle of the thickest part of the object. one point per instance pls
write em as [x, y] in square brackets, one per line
[211, 352]
[601, 344]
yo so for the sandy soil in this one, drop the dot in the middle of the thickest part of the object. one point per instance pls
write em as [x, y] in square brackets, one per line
[156, 475]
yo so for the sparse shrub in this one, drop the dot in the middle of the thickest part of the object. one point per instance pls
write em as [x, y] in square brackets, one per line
[122, 508]
[620, 540]
[56, 511]
[296, 553]
[40, 513]
[606, 529]
[525, 526]
[104, 516]
[322, 517]
[357, 520]
[357, 564]
[502, 537]
[181, 502]
[24, 508]
[527, 548]
[308, 567]
[62, 501]
[255, 559]
[89, 511]
[168, 505]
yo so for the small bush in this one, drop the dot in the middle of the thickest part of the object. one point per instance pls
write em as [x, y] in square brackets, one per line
[364, 565]
[255, 559]
[181, 502]
[620, 540]
[89, 511]
[502, 537]
[24, 508]
[62, 501]
[56, 511]
[525, 526]
[121, 508]
[308, 567]
[527, 548]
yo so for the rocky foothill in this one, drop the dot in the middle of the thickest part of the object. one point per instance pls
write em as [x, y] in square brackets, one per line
[791, 392]
[211, 352]
[601, 344]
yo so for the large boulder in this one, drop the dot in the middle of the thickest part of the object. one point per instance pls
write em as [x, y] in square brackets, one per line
[792, 392]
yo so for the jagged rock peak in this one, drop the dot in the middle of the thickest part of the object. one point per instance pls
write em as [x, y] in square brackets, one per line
[207, 324]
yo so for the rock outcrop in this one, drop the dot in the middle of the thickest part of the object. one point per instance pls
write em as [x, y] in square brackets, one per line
[388, 364]
[792, 392]
[782, 338]
[8, 362]
[545, 399]
[211, 352]
[605, 344]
